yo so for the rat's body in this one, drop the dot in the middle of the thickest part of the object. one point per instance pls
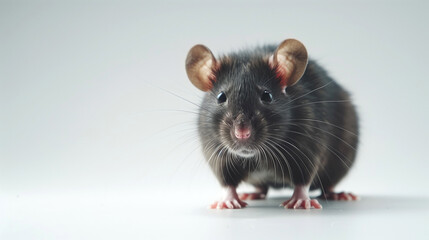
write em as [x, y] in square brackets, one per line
[259, 124]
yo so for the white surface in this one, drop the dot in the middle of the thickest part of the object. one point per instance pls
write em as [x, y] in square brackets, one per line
[137, 217]
[92, 144]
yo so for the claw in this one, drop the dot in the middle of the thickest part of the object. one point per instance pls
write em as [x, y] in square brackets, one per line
[297, 204]
[316, 204]
[307, 204]
[236, 204]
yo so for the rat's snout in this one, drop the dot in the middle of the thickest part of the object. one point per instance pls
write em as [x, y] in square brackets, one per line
[242, 128]
[242, 133]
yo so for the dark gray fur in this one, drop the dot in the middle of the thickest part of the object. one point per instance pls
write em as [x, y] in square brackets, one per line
[309, 135]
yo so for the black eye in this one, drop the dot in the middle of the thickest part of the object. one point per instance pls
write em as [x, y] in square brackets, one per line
[267, 96]
[221, 97]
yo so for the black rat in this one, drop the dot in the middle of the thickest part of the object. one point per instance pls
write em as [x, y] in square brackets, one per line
[272, 118]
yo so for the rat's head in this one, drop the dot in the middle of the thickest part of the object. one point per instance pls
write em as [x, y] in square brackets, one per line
[245, 93]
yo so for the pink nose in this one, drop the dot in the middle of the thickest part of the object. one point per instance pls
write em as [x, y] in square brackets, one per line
[242, 133]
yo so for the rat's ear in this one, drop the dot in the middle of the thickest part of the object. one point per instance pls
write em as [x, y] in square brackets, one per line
[200, 67]
[290, 61]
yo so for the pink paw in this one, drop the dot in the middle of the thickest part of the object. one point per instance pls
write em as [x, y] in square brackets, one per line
[252, 196]
[230, 200]
[342, 196]
[296, 203]
[228, 203]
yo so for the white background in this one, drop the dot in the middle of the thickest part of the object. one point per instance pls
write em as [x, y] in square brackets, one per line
[98, 138]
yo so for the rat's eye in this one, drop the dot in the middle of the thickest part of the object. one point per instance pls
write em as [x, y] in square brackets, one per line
[221, 97]
[267, 97]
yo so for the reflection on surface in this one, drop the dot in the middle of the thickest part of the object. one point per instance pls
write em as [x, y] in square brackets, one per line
[366, 205]
[128, 216]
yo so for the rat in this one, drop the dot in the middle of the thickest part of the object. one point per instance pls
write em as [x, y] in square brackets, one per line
[271, 117]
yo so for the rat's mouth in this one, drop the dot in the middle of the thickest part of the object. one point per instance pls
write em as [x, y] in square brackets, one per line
[245, 152]
[240, 137]
[242, 148]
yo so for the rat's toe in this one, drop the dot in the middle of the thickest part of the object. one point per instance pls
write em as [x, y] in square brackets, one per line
[315, 204]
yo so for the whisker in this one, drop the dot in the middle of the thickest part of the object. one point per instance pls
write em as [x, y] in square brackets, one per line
[324, 122]
[325, 131]
[181, 111]
[316, 89]
[274, 145]
[324, 145]
[178, 96]
[286, 106]
[295, 161]
[305, 155]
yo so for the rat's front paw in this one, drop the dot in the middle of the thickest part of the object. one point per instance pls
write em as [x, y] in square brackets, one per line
[228, 203]
[230, 200]
[305, 203]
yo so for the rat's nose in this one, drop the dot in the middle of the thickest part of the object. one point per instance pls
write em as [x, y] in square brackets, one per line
[242, 133]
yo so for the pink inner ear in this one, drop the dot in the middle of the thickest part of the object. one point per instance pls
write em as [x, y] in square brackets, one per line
[206, 68]
[283, 69]
[206, 74]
